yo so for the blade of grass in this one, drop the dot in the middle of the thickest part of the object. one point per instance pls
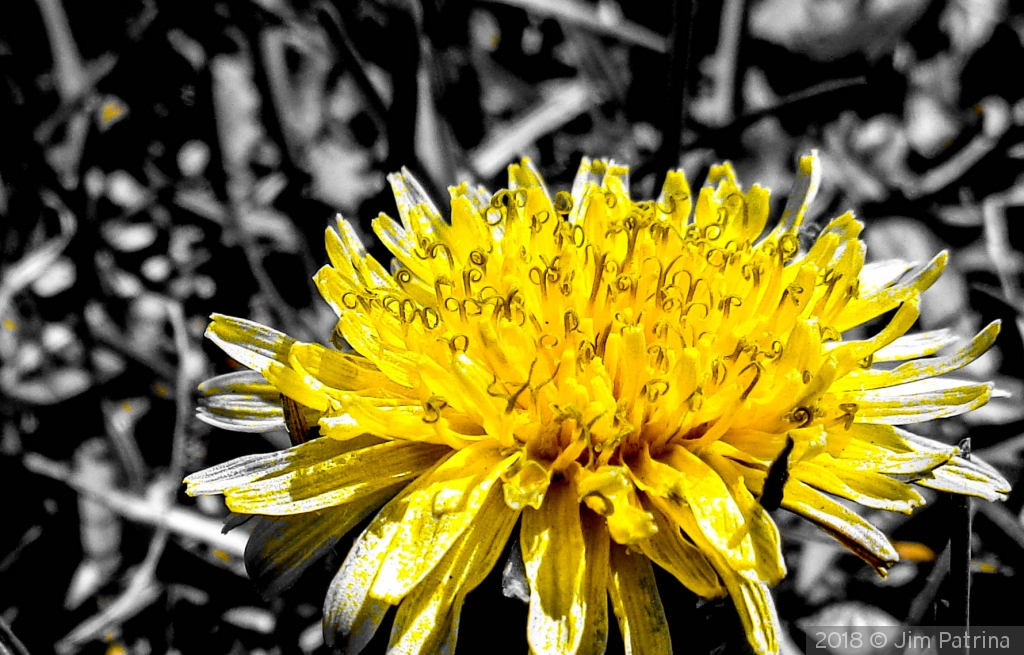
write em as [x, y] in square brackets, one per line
[727, 95]
[9, 643]
[563, 101]
[924, 600]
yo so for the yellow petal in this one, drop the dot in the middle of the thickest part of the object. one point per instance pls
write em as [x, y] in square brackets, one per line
[303, 389]
[609, 492]
[672, 551]
[896, 439]
[402, 244]
[859, 455]
[675, 201]
[526, 176]
[924, 400]
[240, 382]
[756, 608]
[242, 470]
[874, 378]
[242, 401]
[241, 339]
[751, 597]
[437, 515]
[341, 479]
[527, 486]
[847, 527]
[971, 477]
[417, 210]
[870, 489]
[428, 618]
[764, 534]
[838, 236]
[566, 561]
[805, 188]
[694, 496]
[861, 310]
[849, 355]
[342, 370]
[465, 386]
[637, 603]
[921, 344]
[396, 363]
[399, 418]
[351, 614]
[280, 548]
[876, 276]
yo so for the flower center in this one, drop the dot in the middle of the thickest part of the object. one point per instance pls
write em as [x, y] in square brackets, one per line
[598, 330]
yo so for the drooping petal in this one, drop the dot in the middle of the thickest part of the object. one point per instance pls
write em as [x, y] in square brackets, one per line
[864, 539]
[280, 548]
[314, 475]
[971, 477]
[351, 614]
[436, 515]
[595, 586]
[756, 609]
[428, 618]
[758, 523]
[566, 561]
[637, 603]
[674, 552]
[751, 597]
[696, 498]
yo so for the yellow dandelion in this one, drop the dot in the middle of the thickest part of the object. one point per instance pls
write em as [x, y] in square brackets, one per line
[631, 381]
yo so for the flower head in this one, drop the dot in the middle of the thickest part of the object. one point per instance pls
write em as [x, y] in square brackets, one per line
[634, 381]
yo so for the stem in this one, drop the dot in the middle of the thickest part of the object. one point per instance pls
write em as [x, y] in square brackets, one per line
[667, 156]
[960, 556]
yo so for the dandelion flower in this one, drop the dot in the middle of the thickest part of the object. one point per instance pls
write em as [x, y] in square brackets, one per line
[634, 382]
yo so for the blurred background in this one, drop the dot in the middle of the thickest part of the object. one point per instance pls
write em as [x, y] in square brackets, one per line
[161, 160]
